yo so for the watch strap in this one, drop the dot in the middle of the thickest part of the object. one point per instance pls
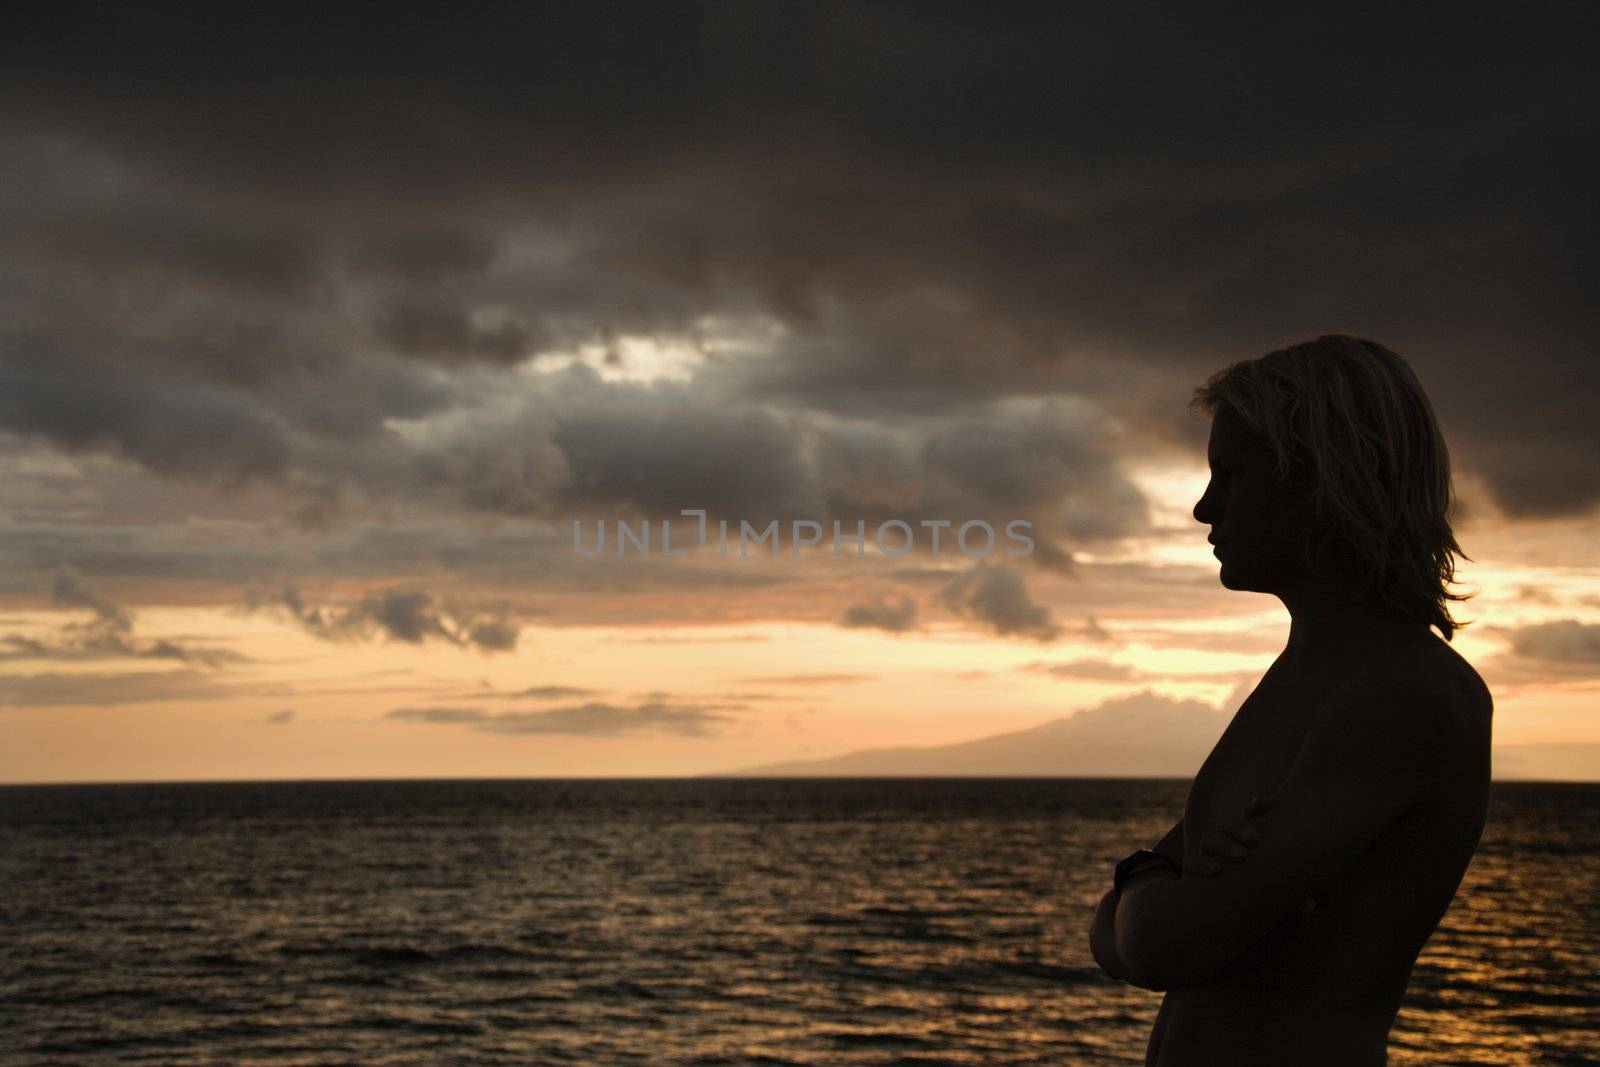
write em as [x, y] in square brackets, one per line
[1140, 860]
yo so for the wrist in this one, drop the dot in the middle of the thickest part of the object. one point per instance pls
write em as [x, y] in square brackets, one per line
[1142, 862]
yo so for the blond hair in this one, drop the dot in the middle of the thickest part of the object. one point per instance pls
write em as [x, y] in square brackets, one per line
[1353, 414]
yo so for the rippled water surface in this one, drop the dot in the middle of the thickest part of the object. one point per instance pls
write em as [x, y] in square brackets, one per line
[688, 921]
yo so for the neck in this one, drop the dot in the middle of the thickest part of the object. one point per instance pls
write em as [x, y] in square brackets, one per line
[1323, 621]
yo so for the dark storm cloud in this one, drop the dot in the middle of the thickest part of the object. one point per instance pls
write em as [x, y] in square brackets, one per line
[441, 333]
[67, 587]
[881, 615]
[1543, 653]
[107, 635]
[1565, 641]
[80, 645]
[155, 554]
[427, 256]
[1044, 462]
[572, 444]
[413, 616]
[997, 597]
[593, 719]
[187, 428]
[238, 266]
[661, 455]
[177, 247]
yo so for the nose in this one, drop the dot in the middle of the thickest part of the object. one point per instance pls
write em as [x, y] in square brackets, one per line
[1203, 508]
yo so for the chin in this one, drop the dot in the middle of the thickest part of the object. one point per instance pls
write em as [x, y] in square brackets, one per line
[1237, 580]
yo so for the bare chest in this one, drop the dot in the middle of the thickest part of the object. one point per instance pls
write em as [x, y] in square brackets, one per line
[1255, 752]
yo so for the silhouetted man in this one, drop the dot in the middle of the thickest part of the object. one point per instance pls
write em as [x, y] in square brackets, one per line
[1284, 932]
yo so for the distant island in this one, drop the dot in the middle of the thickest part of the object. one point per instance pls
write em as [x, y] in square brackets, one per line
[1144, 735]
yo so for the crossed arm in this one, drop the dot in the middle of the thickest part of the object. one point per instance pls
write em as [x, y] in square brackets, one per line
[1102, 932]
[1372, 753]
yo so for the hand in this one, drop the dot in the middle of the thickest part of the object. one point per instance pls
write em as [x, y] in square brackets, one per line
[1230, 842]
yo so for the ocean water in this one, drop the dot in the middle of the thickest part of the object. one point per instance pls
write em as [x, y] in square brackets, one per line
[718, 921]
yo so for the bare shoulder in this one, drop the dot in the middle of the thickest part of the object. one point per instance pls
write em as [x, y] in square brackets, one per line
[1433, 670]
[1434, 690]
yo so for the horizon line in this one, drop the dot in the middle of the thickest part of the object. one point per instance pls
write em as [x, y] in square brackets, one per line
[716, 775]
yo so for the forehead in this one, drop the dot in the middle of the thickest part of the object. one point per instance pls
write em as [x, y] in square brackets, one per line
[1232, 437]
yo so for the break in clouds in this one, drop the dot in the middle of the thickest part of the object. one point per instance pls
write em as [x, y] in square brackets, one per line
[341, 289]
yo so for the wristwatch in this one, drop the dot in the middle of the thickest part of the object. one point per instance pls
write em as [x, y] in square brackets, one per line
[1143, 859]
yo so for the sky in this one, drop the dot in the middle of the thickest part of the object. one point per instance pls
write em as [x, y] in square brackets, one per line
[319, 331]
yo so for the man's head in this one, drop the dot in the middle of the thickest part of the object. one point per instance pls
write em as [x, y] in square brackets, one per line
[1327, 461]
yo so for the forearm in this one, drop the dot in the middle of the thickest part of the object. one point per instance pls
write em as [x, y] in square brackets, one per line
[1139, 933]
[1103, 928]
[1164, 936]
[1103, 937]
[1183, 931]
[1133, 966]
[1103, 933]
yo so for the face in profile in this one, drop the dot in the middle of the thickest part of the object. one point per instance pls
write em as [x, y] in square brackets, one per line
[1259, 525]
